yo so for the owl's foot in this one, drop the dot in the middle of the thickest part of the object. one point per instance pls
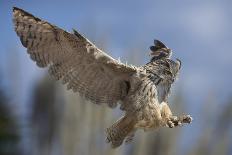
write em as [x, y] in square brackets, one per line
[175, 121]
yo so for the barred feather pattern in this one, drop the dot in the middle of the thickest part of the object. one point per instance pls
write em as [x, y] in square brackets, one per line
[119, 130]
[73, 59]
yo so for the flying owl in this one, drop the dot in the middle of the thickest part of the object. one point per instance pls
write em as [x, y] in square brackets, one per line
[142, 92]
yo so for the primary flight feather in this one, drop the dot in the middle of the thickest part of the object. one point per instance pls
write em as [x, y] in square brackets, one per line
[142, 92]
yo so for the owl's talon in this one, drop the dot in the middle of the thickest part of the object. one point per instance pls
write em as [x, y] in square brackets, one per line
[170, 124]
[187, 119]
[175, 121]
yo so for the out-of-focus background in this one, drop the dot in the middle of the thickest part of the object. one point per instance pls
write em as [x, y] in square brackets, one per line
[39, 117]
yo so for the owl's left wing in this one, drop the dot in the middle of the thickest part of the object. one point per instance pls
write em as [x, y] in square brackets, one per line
[73, 59]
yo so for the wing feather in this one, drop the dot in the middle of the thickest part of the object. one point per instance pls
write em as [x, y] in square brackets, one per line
[73, 59]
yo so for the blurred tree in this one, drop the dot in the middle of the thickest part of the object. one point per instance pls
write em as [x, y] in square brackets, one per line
[9, 136]
[46, 115]
[216, 135]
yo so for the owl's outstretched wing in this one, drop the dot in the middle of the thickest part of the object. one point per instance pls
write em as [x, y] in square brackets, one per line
[73, 59]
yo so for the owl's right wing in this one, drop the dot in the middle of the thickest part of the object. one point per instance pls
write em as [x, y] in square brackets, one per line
[160, 50]
[73, 59]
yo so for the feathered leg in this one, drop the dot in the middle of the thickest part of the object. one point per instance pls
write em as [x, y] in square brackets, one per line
[119, 131]
[173, 121]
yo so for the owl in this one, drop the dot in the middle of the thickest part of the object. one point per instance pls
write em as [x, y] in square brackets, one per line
[141, 92]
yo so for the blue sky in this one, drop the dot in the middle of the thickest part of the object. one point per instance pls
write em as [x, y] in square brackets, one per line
[199, 32]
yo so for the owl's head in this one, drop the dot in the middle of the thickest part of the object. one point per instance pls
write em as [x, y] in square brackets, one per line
[166, 69]
[161, 55]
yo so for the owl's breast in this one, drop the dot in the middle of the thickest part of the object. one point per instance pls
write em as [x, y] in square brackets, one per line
[142, 103]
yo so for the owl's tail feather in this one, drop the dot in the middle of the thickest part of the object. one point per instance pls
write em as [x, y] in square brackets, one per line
[119, 131]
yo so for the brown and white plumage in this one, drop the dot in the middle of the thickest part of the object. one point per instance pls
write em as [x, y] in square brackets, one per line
[142, 91]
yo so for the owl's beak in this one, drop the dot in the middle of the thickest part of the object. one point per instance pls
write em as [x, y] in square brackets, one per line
[178, 63]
